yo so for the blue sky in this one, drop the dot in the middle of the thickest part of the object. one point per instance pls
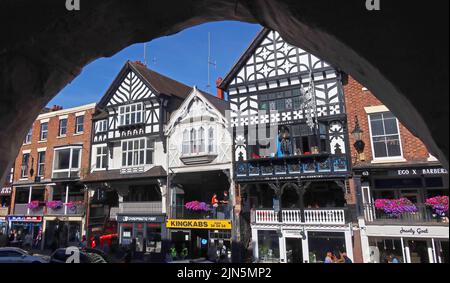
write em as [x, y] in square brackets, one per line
[182, 56]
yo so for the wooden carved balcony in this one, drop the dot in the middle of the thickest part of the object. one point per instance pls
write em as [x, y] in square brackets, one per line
[307, 164]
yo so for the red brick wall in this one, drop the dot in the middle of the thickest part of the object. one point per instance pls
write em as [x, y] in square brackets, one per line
[53, 141]
[355, 100]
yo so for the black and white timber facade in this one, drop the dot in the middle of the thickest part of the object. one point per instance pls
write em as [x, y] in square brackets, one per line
[293, 196]
[129, 158]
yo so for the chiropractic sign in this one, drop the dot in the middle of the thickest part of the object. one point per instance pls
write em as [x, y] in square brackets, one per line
[209, 224]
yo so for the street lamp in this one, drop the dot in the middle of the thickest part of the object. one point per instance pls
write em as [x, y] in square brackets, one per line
[359, 144]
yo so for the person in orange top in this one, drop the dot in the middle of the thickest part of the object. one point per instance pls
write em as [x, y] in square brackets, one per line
[215, 204]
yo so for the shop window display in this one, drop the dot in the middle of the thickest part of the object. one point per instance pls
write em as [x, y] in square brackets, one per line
[268, 246]
[320, 243]
[386, 250]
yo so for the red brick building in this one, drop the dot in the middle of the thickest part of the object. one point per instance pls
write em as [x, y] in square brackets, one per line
[48, 197]
[391, 164]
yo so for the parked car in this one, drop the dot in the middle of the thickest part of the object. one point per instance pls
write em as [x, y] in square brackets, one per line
[63, 256]
[17, 255]
[101, 253]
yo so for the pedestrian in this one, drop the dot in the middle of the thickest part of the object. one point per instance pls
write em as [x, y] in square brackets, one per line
[329, 258]
[343, 258]
[215, 205]
[83, 243]
[225, 203]
[184, 252]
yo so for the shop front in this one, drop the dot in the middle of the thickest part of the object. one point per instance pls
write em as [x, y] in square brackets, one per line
[63, 231]
[197, 238]
[300, 244]
[3, 225]
[146, 230]
[406, 244]
[27, 230]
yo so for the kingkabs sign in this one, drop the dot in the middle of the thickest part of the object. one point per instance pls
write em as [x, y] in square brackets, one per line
[199, 224]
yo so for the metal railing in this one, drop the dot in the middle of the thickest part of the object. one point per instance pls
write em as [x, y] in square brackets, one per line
[294, 216]
[180, 212]
[22, 209]
[74, 210]
[140, 207]
[424, 214]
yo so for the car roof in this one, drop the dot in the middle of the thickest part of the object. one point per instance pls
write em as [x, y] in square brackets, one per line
[12, 249]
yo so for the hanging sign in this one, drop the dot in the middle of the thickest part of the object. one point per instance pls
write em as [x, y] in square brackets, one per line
[210, 224]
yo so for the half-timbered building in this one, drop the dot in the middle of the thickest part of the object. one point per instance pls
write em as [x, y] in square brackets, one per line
[290, 152]
[199, 154]
[129, 161]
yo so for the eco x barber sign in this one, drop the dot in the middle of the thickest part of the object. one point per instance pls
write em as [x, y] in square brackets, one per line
[199, 224]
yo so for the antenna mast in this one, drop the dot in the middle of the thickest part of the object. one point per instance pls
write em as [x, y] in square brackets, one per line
[145, 53]
[210, 62]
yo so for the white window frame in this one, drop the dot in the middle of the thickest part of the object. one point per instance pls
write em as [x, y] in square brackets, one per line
[389, 158]
[147, 147]
[123, 113]
[101, 126]
[70, 169]
[195, 141]
[24, 173]
[60, 134]
[211, 141]
[77, 131]
[29, 136]
[103, 153]
[41, 132]
[39, 163]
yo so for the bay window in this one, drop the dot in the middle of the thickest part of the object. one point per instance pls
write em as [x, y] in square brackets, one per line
[385, 136]
[67, 162]
[137, 152]
[131, 114]
[198, 141]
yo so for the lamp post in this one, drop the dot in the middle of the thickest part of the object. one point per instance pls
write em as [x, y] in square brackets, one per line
[359, 144]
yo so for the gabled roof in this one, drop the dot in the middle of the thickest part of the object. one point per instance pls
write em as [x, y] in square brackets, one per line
[220, 104]
[157, 82]
[244, 57]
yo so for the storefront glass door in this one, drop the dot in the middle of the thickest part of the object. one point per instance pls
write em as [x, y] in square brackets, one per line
[294, 250]
[418, 251]
[442, 251]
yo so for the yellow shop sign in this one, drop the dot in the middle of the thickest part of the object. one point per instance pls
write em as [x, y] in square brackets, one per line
[211, 224]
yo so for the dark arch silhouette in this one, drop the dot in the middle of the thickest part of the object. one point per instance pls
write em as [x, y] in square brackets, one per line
[400, 53]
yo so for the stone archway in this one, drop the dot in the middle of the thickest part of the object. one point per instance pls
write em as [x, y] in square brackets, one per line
[394, 52]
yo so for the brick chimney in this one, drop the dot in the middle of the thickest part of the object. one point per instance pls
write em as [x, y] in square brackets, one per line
[55, 108]
[139, 63]
[220, 93]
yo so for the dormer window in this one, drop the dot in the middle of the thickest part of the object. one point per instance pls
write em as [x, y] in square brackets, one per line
[101, 126]
[131, 114]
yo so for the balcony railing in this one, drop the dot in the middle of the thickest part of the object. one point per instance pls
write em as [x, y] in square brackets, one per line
[22, 209]
[294, 216]
[293, 165]
[181, 212]
[424, 214]
[140, 207]
[75, 210]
